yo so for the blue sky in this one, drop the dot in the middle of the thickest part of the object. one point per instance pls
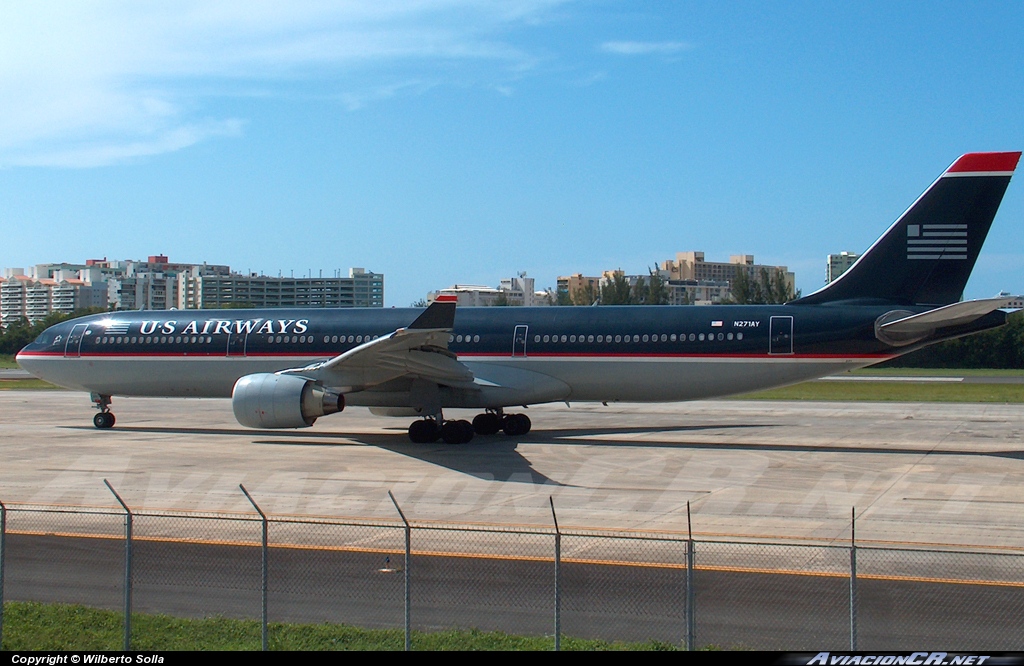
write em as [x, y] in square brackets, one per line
[461, 141]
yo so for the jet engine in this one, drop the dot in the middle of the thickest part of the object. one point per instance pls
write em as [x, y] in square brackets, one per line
[266, 400]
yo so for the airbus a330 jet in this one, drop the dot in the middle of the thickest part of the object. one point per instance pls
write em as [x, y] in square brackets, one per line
[286, 368]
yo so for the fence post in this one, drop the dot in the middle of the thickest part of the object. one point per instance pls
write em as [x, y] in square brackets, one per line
[263, 585]
[853, 578]
[127, 568]
[558, 578]
[3, 554]
[690, 624]
[408, 559]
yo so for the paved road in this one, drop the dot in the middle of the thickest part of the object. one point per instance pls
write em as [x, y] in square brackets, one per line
[732, 609]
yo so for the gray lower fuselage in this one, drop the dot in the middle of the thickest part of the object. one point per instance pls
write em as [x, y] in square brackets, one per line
[518, 355]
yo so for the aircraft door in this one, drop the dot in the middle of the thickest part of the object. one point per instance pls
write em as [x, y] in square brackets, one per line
[519, 340]
[781, 335]
[73, 346]
[236, 343]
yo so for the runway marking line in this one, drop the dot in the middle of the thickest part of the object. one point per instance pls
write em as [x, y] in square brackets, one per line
[529, 558]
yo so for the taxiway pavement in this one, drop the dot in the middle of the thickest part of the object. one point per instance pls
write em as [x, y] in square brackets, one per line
[923, 473]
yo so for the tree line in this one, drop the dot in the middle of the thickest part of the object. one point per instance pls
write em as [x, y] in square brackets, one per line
[618, 291]
[768, 287]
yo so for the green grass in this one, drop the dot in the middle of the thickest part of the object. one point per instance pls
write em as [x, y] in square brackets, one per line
[7, 362]
[894, 392]
[39, 627]
[937, 372]
[21, 384]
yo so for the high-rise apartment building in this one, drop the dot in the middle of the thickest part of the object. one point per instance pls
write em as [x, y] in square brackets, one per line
[201, 288]
[837, 264]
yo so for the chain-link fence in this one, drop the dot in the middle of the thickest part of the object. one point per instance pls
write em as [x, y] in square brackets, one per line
[538, 582]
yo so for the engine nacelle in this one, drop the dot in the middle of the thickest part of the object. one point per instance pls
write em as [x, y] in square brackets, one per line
[266, 400]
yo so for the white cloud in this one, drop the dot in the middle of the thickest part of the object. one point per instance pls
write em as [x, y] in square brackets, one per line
[101, 152]
[645, 48]
[91, 83]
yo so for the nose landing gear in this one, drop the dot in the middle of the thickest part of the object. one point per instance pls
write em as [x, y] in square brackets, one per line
[105, 419]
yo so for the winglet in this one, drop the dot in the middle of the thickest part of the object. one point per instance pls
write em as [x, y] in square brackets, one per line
[440, 314]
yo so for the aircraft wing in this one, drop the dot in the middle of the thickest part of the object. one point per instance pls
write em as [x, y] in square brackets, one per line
[418, 351]
[949, 315]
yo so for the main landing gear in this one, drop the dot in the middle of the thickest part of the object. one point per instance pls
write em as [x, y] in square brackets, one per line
[434, 428]
[105, 418]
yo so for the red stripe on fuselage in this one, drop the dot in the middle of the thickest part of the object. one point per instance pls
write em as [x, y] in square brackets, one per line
[467, 356]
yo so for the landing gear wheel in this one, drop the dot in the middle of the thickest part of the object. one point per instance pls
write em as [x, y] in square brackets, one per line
[457, 432]
[424, 432]
[486, 424]
[103, 420]
[516, 424]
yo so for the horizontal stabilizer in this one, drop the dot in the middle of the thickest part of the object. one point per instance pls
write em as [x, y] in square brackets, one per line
[949, 315]
[440, 315]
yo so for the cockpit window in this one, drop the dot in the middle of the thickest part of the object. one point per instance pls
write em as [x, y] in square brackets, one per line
[42, 339]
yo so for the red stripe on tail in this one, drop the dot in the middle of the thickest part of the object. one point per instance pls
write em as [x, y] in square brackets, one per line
[986, 162]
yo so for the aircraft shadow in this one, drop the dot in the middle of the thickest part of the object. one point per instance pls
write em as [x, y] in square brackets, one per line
[497, 458]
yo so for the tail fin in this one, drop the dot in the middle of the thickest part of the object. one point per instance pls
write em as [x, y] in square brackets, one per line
[926, 256]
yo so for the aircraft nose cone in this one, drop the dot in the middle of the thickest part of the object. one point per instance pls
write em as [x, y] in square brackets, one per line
[26, 363]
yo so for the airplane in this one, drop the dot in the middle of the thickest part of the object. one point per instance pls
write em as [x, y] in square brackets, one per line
[285, 368]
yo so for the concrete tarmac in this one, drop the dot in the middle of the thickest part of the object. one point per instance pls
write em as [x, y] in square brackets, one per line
[922, 473]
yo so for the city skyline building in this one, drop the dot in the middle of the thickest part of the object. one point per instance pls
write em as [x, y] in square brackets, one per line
[159, 284]
[692, 266]
[515, 291]
[837, 264]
